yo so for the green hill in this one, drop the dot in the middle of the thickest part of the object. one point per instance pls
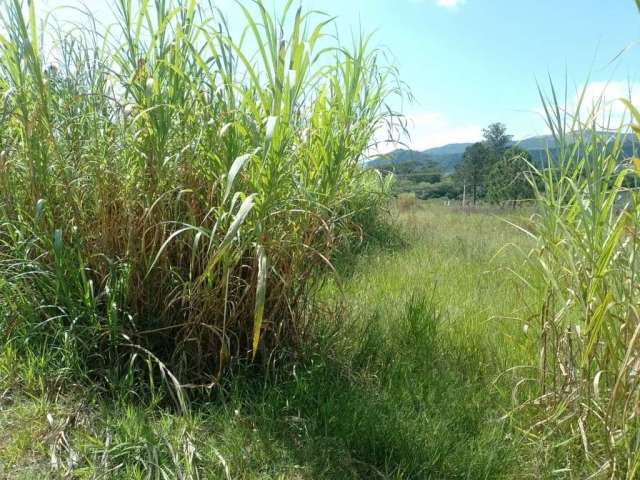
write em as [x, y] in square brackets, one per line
[448, 156]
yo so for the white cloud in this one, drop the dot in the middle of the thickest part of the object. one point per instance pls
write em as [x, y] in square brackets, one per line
[606, 96]
[450, 3]
[603, 98]
[433, 129]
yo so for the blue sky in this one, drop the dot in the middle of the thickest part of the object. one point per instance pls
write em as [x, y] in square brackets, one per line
[473, 62]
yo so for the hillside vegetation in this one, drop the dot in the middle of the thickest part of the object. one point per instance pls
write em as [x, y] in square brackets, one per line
[447, 157]
[494, 170]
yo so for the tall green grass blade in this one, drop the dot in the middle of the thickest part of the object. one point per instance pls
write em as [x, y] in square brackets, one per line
[261, 290]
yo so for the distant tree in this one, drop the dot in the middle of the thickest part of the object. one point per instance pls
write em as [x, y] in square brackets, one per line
[444, 189]
[471, 171]
[410, 174]
[430, 172]
[496, 140]
[507, 178]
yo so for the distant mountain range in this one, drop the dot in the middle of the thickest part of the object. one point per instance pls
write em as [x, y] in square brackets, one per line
[448, 156]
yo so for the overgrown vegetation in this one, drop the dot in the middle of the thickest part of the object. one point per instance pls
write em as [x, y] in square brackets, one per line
[425, 180]
[399, 382]
[586, 411]
[175, 207]
[167, 198]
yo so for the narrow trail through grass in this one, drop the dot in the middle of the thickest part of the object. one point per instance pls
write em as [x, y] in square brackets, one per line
[400, 384]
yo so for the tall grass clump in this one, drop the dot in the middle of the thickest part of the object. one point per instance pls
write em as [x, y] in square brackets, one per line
[169, 191]
[587, 406]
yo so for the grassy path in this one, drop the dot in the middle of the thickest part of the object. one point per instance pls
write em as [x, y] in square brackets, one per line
[400, 383]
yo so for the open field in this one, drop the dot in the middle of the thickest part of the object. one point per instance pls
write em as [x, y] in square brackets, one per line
[401, 382]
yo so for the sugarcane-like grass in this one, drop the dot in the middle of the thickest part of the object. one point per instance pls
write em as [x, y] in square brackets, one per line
[171, 193]
[585, 274]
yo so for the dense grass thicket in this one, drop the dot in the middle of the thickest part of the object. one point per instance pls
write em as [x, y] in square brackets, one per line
[406, 379]
[169, 191]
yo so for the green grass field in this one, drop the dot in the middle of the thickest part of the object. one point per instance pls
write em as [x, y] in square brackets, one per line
[408, 376]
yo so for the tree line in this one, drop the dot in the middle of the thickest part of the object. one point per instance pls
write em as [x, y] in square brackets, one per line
[494, 169]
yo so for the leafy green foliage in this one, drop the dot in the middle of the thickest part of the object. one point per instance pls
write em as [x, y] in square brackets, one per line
[427, 172]
[472, 171]
[493, 170]
[399, 383]
[510, 177]
[496, 139]
[424, 179]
